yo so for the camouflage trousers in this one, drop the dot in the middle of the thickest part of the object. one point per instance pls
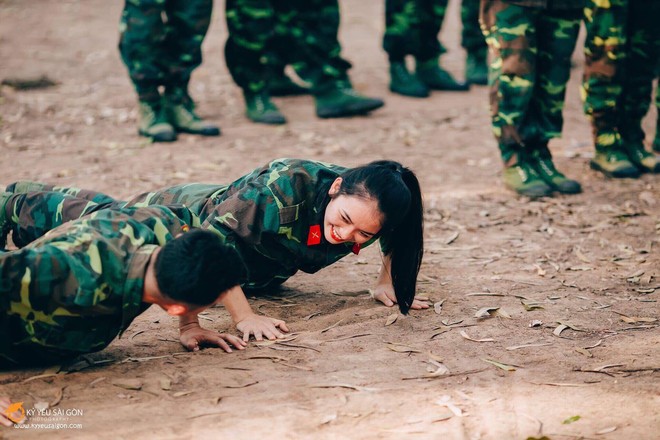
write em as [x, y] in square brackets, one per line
[621, 49]
[472, 39]
[530, 65]
[266, 35]
[412, 27]
[35, 213]
[161, 42]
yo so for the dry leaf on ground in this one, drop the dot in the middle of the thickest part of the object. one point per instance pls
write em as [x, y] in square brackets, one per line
[501, 365]
[466, 336]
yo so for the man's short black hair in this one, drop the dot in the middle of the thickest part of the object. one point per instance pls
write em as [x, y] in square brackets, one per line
[197, 267]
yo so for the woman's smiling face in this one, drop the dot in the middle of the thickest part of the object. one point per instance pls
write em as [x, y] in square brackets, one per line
[350, 219]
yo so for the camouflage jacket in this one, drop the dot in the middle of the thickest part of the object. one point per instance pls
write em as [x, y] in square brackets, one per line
[267, 215]
[75, 289]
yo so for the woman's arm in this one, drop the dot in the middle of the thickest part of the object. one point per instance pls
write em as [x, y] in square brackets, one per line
[249, 322]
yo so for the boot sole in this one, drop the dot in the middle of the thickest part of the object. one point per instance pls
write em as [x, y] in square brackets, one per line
[349, 111]
[535, 193]
[162, 137]
[411, 95]
[626, 173]
[268, 121]
[458, 88]
[208, 132]
[572, 190]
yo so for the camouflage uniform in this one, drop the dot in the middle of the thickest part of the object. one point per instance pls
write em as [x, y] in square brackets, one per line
[621, 48]
[265, 35]
[266, 215]
[532, 47]
[162, 53]
[531, 42]
[30, 215]
[76, 288]
[472, 39]
[412, 27]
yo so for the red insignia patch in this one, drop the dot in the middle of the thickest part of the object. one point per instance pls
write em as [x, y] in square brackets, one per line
[185, 228]
[356, 248]
[314, 236]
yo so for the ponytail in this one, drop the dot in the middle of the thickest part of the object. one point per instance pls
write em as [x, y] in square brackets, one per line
[406, 245]
[397, 191]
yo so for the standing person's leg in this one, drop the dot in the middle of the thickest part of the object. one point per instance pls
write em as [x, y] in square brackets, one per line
[557, 33]
[431, 15]
[251, 25]
[510, 32]
[317, 21]
[141, 44]
[279, 83]
[643, 49]
[604, 50]
[402, 38]
[187, 24]
[472, 40]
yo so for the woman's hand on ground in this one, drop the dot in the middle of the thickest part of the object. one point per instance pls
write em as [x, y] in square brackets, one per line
[385, 294]
[261, 326]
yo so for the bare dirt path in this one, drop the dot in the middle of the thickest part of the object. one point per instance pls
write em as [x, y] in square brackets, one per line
[589, 262]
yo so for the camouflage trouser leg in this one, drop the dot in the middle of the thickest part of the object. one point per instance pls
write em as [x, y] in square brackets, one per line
[92, 196]
[316, 27]
[642, 51]
[604, 49]
[160, 51]
[472, 39]
[556, 36]
[411, 28]
[34, 214]
[251, 26]
[187, 24]
[527, 103]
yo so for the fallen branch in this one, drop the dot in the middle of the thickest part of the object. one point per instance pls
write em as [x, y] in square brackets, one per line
[460, 373]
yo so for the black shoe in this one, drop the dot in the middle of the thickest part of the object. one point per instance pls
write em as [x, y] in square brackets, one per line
[405, 83]
[259, 108]
[343, 102]
[546, 170]
[153, 122]
[646, 161]
[437, 78]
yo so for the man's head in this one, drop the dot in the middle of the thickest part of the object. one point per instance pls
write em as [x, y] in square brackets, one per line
[194, 269]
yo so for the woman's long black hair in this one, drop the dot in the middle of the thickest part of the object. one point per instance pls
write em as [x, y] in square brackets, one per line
[399, 197]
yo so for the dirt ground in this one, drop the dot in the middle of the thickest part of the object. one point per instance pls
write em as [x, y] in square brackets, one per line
[589, 262]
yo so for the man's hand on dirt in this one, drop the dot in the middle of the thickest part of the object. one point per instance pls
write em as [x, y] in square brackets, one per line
[260, 327]
[193, 337]
[385, 294]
